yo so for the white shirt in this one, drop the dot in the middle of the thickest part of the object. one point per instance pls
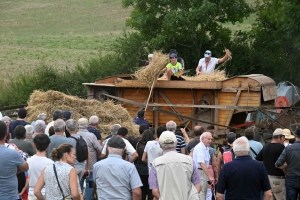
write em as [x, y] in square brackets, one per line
[129, 148]
[210, 67]
[201, 154]
[48, 127]
[153, 151]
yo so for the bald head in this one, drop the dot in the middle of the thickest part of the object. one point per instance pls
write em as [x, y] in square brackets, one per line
[198, 130]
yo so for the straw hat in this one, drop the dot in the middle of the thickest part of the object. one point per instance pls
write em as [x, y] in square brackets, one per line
[288, 134]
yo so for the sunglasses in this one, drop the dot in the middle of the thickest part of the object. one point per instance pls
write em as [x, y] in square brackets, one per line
[207, 53]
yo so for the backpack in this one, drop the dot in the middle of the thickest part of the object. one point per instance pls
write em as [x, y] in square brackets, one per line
[227, 154]
[81, 149]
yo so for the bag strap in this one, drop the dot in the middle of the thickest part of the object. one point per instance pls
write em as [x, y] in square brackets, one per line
[253, 151]
[58, 181]
[75, 138]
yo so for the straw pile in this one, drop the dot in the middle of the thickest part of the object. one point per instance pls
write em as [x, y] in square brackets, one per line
[149, 74]
[108, 112]
[218, 75]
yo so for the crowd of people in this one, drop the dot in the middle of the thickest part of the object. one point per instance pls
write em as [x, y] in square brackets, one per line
[69, 159]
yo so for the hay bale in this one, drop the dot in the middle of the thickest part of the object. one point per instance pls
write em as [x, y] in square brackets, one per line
[218, 75]
[148, 74]
[108, 112]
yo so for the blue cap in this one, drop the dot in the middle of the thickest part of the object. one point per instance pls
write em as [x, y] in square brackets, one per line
[173, 55]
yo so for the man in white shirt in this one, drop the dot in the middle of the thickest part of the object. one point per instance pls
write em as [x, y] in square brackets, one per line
[38, 162]
[208, 63]
[130, 151]
[201, 157]
[57, 114]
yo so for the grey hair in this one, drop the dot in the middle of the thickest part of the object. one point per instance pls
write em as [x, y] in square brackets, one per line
[93, 120]
[42, 116]
[6, 119]
[39, 125]
[112, 150]
[114, 129]
[204, 135]
[168, 146]
[171, 125]
[59, 125]
[71, 125]
[241, 146]
[29, 130]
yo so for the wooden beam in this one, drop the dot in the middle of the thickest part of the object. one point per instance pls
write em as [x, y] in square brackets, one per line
[155, 112]
[234, 104]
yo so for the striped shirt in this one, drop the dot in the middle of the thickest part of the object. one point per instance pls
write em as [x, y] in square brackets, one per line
[180, 143]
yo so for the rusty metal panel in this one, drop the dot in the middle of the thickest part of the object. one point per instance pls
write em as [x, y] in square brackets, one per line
[269, 92]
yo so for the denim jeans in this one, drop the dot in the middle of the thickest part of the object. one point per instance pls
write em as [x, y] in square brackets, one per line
[88, 187]
[292, 186]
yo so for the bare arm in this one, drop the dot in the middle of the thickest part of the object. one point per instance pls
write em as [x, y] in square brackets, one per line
[23, 167]
[220, 196]
[155, 193]
[39, 186]
[215, 168]
[25, 187]
[136, 194]
[73, 185]
[267, 195]
[185, 135]
[198, 70]
[225, 57]
[100, 142]
[180, 73]
[134, 157]
[183, 150]
[284, 166]
[198, 187]
[144, 157]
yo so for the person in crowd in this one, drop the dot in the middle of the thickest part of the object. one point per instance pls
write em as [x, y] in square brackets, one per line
[243, 178]
[201, 157]
[198, 130]
[289, 138]
[230, 138]
[142, 129]
[173, 69]
[150, 57]
[140, 119]
[213, 171]
[289, 159]
[255, 147]
[7, 121]
[29, 133]
[58, 138]
[93, 128]
[152, 149]
[95, 151]
[39, 127]
[129, 149]
[179, 59]
[141, 166]
[57, 114]
[60, 179]
[37, 163]
[84, 166]
[269, 155]
[113, 131]
[171, 126]
[66, 116]
[114, 177]
[165, 178]
[10, 163]
[19, 121]
[208, 63]
[23, 145]
[41, 116]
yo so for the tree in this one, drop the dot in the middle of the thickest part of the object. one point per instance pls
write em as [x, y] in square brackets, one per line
[190, 26]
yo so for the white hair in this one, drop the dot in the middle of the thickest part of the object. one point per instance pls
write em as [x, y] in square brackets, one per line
[171, 125]
[241, 146]
[42, 116]
[93, 120]
[29, 130]
[39, 125]
[204, 135]
[112, 150]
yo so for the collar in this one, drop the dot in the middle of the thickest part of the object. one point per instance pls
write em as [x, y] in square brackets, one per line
[114, 156]
[167, 151]
[203, 145]
[243, 157]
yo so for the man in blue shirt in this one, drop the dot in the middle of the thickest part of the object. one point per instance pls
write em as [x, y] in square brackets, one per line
[116, 178]
[19, 121]
[243, 178]
[140, 119]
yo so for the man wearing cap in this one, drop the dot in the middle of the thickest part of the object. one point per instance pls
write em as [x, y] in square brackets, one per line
[150, 56]
[291, 156]
[114, 177]
[179, 59]
[208, 63]
[288, 137]
[173, 69]
[140, 119]
[173, 175]
[269, 155]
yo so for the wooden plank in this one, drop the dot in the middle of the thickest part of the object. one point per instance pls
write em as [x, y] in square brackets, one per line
[231, 89]
[237, 82]
[232, 110]
[216, 119]
[156, 119]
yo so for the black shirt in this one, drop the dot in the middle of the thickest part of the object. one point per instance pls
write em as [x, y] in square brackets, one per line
[269, 155]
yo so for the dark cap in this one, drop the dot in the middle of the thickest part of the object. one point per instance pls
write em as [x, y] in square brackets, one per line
[116, 142]
[173, 55]
[67, 115]
[298, 132]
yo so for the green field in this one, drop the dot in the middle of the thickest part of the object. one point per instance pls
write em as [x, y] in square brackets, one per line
[61, 34]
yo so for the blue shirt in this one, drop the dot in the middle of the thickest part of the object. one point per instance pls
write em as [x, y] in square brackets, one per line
[95, 131]
[115, 178]
[9, 163]
[243, 178]
[256, 146]
[140, 121]
[14, 124]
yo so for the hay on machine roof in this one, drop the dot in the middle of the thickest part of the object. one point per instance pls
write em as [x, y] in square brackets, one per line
[108, 112]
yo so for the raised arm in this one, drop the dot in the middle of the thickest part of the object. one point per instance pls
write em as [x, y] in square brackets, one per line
[227, 53]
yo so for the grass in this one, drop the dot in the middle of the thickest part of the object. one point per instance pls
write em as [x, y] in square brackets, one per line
[60, 34]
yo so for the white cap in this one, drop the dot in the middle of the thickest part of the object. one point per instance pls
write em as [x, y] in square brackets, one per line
[167, 137]
[150, 55]
[207, 53]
